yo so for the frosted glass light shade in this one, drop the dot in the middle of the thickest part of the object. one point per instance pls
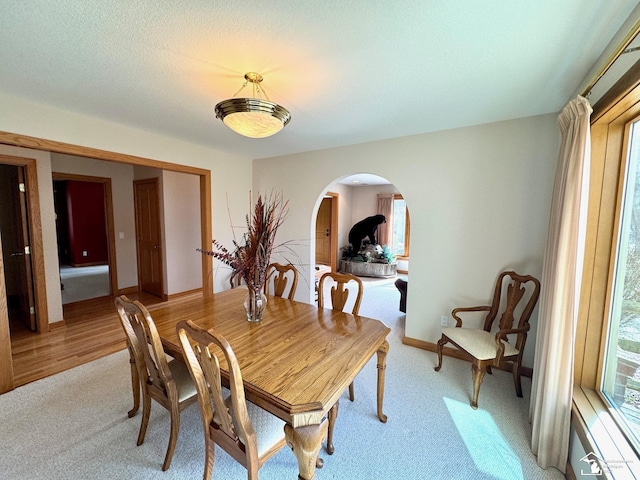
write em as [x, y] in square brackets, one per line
[252, 117]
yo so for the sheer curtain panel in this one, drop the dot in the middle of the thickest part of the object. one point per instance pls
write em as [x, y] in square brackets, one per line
[552, 385]
[385, 230]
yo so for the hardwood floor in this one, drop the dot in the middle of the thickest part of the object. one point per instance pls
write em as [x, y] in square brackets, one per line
[91, 330]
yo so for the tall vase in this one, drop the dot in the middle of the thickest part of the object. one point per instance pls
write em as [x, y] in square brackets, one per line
[255, 303]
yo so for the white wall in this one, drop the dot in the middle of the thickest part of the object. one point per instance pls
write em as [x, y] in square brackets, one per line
[479, 200]
[365, 201]
[230, 179]
[181, 198]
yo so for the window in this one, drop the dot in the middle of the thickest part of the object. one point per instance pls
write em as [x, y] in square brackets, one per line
[400, 227]
[604, 415]
[620, 383]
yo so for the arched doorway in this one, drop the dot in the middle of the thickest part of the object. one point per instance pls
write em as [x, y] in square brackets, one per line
[356, 197]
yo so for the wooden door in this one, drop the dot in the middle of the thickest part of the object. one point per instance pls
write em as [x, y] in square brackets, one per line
[323, 232]
[149, 236]
[16, 252]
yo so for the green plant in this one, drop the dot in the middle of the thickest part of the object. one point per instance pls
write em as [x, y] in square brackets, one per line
[387, 254]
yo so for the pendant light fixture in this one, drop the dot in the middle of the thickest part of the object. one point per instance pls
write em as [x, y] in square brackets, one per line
[253, 117]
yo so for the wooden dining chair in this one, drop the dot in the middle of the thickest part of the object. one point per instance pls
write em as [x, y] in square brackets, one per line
[514, 298]
[166, 382]
[248, 433]
[339, 294]
[280, 276]
[132, 347]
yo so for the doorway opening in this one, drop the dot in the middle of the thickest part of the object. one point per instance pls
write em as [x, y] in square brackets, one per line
[327, 233]
[16, 250]
[84, 228]
[363, 196]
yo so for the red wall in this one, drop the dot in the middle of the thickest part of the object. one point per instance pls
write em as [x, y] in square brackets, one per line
[87, 225]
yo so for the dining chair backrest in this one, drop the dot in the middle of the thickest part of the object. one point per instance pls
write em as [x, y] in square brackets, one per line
[135, 354]
[227, 422]
[158, 375]
[339, 294]
[280, 276]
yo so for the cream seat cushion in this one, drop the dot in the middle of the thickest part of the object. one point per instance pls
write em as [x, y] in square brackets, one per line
[269, 428]
[480, 344]
[182, 377]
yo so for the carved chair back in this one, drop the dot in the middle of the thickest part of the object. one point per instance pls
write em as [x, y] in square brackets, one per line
[227, 422]
[167, 383]
[280, 276]
[514, 299]
[156, 371]
[339, 294]
[135, 354]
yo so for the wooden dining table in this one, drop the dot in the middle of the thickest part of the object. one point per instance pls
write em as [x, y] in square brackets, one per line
[296, 362]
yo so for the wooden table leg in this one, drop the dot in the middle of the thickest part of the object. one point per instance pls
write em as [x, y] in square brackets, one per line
[382, 366]
[305, 443]
[332, 417]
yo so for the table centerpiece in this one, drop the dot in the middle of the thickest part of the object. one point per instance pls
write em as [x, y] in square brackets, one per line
[251, 256]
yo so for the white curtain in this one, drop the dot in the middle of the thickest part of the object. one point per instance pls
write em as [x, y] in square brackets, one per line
[552, 386]
[385, 230]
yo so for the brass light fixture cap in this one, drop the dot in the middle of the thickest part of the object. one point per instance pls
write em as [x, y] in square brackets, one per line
[253, 77]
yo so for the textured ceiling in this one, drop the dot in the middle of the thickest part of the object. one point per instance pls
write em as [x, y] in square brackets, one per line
[349, 71]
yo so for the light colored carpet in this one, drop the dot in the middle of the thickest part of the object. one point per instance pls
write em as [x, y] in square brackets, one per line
[74, 425]
[84, 283]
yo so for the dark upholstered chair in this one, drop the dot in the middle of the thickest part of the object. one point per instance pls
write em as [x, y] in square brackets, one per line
[401, 285]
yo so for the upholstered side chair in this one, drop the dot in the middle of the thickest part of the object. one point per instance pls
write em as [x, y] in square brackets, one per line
[514, 298]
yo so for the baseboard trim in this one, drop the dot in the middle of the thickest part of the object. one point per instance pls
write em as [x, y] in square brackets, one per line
[58, 324]
[181, 294]
[87, 264]
[455, 353]
[128, 290]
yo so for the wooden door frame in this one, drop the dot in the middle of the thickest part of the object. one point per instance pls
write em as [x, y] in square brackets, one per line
[156, 182]
[6, 361]
[111, 236]
[35, 236]
[37, 252]
[37, 268]
[333, 238]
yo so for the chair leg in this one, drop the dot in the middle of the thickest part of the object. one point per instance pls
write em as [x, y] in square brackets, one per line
[135, 387]
[173, 437]
[441, 343]
[352, 394]
[210, 453]
[478, 371]
[146, 410]
[332, 417]
[516, 378]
